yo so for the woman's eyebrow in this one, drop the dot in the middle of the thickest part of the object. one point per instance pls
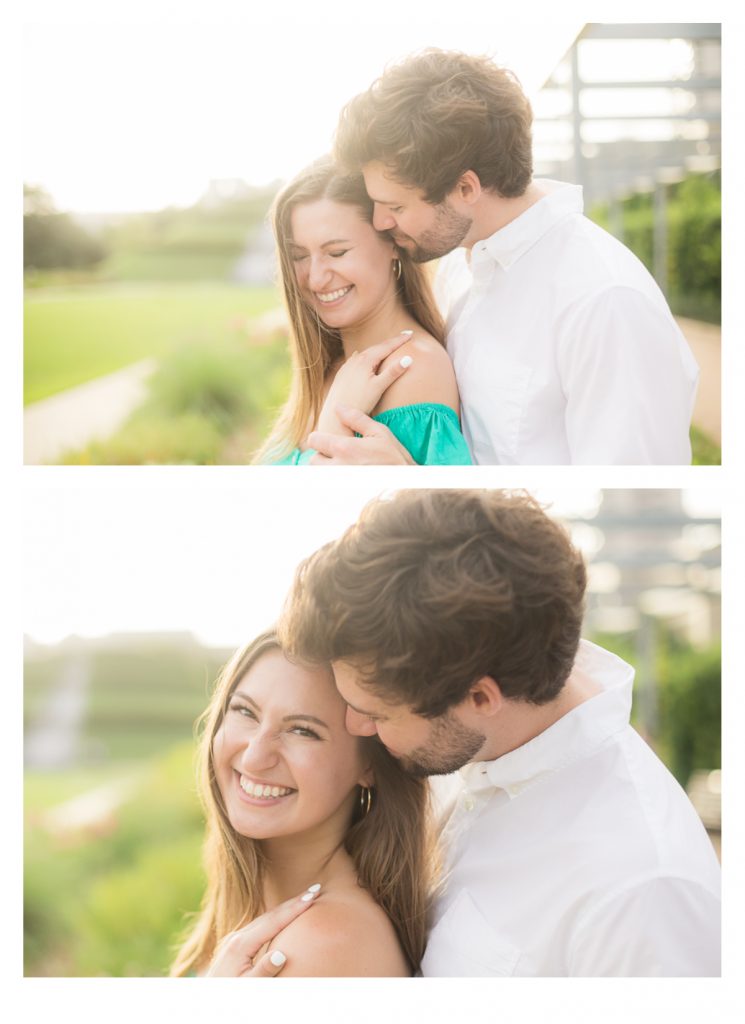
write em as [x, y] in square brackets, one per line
[331, 241]
[244, 696]
[285, 718]
[305, 718]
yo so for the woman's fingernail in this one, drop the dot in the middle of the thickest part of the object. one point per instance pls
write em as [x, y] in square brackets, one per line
[405, 361]
[407, 332]
[308, 896]
[315, 888]
[277, 958]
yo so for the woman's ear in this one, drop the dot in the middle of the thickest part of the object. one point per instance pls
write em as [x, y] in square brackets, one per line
[485, 697]
[367, 779]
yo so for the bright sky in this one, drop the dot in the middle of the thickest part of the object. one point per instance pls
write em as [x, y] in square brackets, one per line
[139, 105]
[123, 553]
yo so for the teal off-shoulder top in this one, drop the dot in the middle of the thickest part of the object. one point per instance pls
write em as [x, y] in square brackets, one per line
[429, 431]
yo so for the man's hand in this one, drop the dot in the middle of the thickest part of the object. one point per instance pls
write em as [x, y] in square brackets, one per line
[234, 957]
[376, 447]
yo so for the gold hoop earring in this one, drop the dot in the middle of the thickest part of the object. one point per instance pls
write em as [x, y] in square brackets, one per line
[397, 268]
[365, 800]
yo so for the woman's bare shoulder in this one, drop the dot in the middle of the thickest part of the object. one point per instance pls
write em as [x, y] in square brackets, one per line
[342, 935]
[430, 378]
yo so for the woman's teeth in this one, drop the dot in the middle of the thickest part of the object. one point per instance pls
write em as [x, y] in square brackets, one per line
[258, 790]
[333, 296]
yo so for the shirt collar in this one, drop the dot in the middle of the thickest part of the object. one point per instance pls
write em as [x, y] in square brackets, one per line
[507, 245]
[577, 734]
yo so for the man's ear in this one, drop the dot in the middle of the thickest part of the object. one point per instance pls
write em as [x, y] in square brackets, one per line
[468, 189]
[485, 697]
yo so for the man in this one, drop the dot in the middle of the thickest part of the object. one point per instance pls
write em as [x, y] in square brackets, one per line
[564, 348]
[452, 621]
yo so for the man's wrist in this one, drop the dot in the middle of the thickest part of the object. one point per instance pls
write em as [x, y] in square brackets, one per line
[329, 423]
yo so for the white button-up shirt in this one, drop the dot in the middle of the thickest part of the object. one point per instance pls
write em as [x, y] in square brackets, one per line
[577, 854]
[564, 348]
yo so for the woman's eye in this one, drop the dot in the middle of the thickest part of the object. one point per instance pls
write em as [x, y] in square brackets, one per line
[298, 258]
[243, 710]
[301, 730]
[341, 252]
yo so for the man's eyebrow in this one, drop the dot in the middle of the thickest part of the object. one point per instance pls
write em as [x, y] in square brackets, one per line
[387, 202]
[285, 718]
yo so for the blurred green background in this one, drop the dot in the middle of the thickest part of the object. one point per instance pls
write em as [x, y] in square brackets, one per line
[112, 840]
[187, 288]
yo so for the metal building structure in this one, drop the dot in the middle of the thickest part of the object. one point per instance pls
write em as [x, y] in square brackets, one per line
[612, 134]
[632, 108]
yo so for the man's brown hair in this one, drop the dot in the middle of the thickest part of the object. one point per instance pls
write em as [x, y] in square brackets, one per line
[436, 115]
[433, 589]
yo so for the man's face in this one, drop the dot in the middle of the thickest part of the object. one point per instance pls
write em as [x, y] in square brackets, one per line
[424, 230]
[423, 746]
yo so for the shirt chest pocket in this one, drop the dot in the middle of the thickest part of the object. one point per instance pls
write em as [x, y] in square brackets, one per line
[494, 397]
[464, 945]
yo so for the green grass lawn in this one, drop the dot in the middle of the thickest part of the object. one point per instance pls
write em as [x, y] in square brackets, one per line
[74, 335]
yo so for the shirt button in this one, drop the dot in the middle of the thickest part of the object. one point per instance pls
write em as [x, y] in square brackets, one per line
[469, 803]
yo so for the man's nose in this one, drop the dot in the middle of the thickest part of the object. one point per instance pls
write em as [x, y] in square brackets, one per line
[360, 725]
[382, 219]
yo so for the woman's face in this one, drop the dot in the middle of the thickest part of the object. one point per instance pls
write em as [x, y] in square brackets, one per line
[283, 759]
[343, 265]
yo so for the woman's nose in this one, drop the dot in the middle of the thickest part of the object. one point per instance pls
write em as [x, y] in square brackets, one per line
[318, 275]
[260, 752]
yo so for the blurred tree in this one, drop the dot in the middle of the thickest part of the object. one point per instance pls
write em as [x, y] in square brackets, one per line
[52, 239]
[690, 709]
[689, 695]
[695, 238]
[694, 253]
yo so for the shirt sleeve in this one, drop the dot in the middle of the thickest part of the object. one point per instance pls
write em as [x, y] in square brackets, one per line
[665, 927]
[629, 379]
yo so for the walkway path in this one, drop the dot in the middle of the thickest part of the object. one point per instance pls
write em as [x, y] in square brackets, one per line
[75, 417]
[706, 342]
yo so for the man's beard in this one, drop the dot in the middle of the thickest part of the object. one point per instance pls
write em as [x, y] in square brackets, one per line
[449, 230]
[451, 745]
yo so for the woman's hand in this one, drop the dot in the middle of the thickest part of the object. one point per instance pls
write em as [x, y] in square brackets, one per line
[234, 957]
[360, 383]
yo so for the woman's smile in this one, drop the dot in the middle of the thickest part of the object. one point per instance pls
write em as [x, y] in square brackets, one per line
[333, 298]
[262, 794]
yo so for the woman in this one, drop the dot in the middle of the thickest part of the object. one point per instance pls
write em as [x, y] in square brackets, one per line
[347, 287]
[294, 802]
